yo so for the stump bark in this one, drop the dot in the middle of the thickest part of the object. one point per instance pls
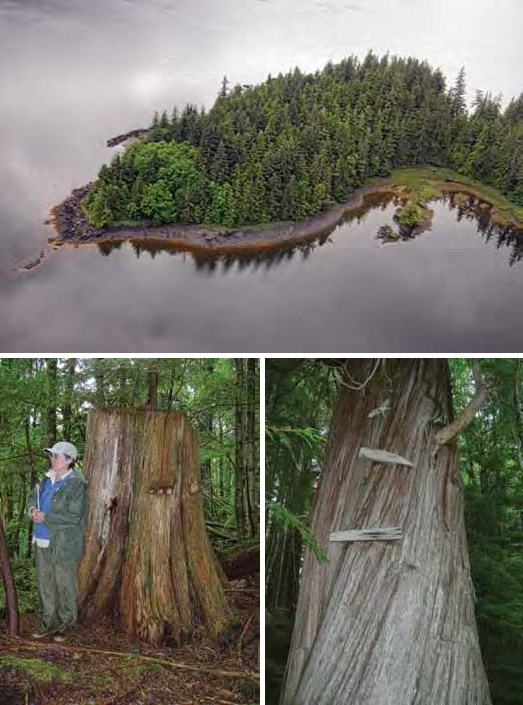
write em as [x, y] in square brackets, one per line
[148, 559]
[388, 622]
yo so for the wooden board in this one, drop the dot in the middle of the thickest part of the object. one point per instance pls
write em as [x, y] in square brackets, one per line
[384, 534]
[383, 456]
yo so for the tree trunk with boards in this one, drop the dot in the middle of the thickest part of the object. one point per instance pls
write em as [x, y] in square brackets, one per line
[389, 621]
[148, 558]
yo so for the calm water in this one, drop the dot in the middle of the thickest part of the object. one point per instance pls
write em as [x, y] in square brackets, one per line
[73, 74]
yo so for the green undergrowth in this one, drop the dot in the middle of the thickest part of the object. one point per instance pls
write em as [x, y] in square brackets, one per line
[25, 580]
[34, 669]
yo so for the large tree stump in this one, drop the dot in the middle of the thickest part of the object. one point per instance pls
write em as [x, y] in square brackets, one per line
[148, 558]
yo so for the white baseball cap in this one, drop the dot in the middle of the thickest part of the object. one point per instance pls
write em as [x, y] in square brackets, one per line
[63, 448]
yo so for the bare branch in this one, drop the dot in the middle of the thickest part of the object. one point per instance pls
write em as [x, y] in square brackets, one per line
[450, 432]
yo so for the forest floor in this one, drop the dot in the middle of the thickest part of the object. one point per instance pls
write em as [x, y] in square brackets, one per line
[98, 666]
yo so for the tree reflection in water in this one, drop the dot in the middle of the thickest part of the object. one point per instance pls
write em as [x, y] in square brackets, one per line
[466, 207]
[220, 263]
[504, 235]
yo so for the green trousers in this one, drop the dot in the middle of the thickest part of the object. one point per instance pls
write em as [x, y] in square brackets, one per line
[56, 591]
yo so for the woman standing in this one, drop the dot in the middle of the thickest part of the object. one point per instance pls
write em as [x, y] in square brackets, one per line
[58, 507]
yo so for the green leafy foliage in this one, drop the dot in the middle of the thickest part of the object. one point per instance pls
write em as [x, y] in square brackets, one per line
[157, 181]
[287, 520]
[157, 203]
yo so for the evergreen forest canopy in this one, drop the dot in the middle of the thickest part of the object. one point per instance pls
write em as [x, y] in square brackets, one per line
[299, 399]
[297, 143]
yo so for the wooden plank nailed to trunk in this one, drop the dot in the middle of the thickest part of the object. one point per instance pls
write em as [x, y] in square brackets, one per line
[385, 534]
[383, 456]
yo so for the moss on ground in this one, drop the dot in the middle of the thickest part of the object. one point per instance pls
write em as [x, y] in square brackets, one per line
[34, 669]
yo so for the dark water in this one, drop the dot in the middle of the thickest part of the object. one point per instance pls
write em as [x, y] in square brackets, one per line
[73, 74]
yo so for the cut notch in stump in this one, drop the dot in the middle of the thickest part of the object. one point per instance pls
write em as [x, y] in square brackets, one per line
[383, 456]
[386, 534]
[161, 488]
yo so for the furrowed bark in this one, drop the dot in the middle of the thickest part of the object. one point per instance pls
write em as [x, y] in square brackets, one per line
[148, 558]
[388, 622]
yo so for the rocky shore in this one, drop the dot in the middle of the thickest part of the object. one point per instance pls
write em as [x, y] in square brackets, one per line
[133, 134]
[73, 227]
[71, 222]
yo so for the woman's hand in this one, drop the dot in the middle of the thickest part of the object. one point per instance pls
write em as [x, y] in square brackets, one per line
[37, 516]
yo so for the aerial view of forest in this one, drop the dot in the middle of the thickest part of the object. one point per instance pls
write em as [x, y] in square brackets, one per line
[297, 143]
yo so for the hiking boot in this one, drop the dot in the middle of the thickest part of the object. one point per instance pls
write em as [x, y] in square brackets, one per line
[42, 633]
[62, 633]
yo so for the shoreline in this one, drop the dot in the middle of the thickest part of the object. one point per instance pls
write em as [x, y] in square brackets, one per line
[72, 228]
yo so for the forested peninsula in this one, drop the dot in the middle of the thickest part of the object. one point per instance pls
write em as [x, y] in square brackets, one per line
[299, 145]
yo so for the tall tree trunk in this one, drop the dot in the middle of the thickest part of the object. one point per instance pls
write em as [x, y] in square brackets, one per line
[6, 505]
[170, 390]
[240, 447]
[11, 599]
[32, 480]
[148, 558]
[388, 622]
[52, 370]
[152, 389]
[282, 567]
[518, 412]
[251, 454]
[67, 410]
[99, 378]
[21, 517]
[283, 550]
[121, 391]
[221, 467]
[206, 424]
